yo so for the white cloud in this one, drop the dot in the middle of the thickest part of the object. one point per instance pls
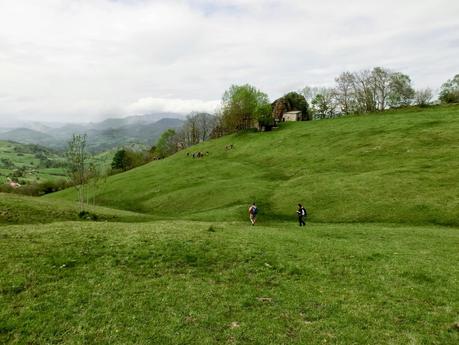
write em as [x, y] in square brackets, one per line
[181, 106]
[87, 59]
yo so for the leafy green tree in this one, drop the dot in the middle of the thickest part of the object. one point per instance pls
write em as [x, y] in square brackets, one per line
[242, 107]
[324, 104]
[450, 91]
[401, 93]
[7, 163]
[166, 145]
[19, 172]
[264, 116]
[130, 158]
[122, 160]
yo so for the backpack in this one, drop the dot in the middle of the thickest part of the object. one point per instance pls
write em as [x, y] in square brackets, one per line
[303, 212]
[254, 210]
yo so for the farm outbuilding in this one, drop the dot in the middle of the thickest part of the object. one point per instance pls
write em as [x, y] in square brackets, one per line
[287, 108]
[292, 116]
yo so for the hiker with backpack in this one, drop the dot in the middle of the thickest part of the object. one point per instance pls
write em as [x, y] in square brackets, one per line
[301, 215]
[253, 210]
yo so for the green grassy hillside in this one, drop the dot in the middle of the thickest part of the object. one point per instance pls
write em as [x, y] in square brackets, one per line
[221, 281]
[400, 166]
[16, 209]
[179, 282]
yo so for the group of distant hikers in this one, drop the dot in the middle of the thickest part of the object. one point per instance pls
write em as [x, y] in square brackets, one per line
[301, 213]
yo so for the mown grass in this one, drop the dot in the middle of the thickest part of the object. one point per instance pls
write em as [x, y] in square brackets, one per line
[16, 209]
[397, 167]
[228, 283]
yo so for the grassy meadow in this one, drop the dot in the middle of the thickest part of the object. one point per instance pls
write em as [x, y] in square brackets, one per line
[173, 259]
[397, 167]
[18, 209]
[183, 282]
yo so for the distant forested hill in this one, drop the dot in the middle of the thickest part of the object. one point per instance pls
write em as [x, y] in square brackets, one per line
[102, 136]
[28, 136]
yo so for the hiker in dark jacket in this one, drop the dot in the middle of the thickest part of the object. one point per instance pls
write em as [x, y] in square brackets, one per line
[253, 211]
[301, 215]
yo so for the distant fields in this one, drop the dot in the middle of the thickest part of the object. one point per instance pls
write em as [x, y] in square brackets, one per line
[397, 167]
[40, 164]
[32, 160]
[182, 282]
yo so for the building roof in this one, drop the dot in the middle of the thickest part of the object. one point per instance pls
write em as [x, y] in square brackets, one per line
[294, 112]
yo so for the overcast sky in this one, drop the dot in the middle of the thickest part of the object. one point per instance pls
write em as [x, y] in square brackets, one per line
[82, 60]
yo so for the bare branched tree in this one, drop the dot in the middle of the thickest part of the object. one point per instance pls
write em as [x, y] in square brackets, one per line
[423, 97]
[381, 78]
[77, 166]
[345, 93]
[364, 89]
[324, 104]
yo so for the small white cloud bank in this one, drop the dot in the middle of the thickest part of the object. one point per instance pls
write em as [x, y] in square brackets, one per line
[149, 105]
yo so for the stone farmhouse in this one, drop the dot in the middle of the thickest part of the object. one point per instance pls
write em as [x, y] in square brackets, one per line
[292, 116]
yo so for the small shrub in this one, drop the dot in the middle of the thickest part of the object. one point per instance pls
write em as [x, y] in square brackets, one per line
[86, 215]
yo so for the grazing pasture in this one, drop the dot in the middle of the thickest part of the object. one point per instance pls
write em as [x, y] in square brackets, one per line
[398, 167]
[185, 282]
[173, 258]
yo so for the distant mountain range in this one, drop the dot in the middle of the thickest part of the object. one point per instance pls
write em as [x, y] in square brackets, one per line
[102, 136]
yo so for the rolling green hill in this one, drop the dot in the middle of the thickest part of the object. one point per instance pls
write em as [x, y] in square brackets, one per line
[399, 166]
[17, 209]
[28, 136]
[144, 278]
